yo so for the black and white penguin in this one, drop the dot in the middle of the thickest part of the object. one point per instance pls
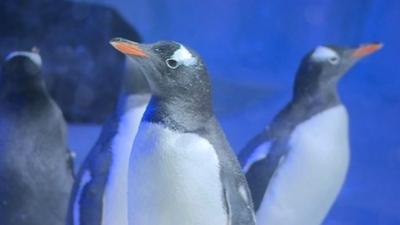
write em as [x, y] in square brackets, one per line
[297, 166]
[100, 191]
[182, 170]
[36, 172]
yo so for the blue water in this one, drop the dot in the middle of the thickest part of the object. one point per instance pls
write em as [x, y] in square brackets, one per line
[253, 48]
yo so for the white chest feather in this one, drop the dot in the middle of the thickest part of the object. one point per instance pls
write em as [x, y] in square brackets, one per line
[307, 182]
[115, 194]
[174, 179]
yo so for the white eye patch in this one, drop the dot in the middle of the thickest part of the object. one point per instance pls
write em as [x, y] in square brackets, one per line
[184, 57]
[31, 55]
[323, 53]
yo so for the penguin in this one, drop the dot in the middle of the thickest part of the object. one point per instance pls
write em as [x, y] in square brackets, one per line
[296, 167]
[36, 171]
[182, 170]
[100, 190]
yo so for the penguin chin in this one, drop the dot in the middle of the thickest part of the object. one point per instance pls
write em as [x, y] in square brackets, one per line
[32, 69]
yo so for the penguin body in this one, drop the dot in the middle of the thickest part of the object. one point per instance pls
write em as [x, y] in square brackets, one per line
[182, 170]
[315, 168]
[36, 172]
[171, 174]
[297, 166]
[100, 192]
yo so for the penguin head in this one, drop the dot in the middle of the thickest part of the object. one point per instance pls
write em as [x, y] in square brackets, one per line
[325, 65]
[172, 70]
[22, 68]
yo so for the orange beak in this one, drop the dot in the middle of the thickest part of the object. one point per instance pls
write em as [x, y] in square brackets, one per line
[128, 47]
[366, 50]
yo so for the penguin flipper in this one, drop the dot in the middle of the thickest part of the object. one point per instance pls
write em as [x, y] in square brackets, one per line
[238, 202]
[252, 146]
[87, 203]
[260, 173]
[261, 152]
[236, 194]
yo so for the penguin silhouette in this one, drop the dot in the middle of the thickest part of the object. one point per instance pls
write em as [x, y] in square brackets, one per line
[36, 173]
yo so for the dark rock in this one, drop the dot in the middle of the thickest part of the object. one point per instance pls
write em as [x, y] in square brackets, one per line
[83, 72]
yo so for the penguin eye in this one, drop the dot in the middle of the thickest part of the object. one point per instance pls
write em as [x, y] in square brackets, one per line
[334, 60]
[172, 63]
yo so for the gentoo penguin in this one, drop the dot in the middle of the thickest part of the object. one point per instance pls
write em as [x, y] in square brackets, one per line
[182, 170]
[297, 166]
[36, 173]
[100, 191]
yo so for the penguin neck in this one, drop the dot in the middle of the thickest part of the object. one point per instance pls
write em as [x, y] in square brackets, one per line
[315, 86]
[134, 83]
[178, 113]
[307, 101]
[29, 88]
[316, 94]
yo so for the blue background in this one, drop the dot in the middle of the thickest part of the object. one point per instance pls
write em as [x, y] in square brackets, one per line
[253, 48]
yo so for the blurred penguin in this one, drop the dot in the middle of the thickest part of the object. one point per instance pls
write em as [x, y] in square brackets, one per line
[297, 166]
[36, 173]
[100, 190]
